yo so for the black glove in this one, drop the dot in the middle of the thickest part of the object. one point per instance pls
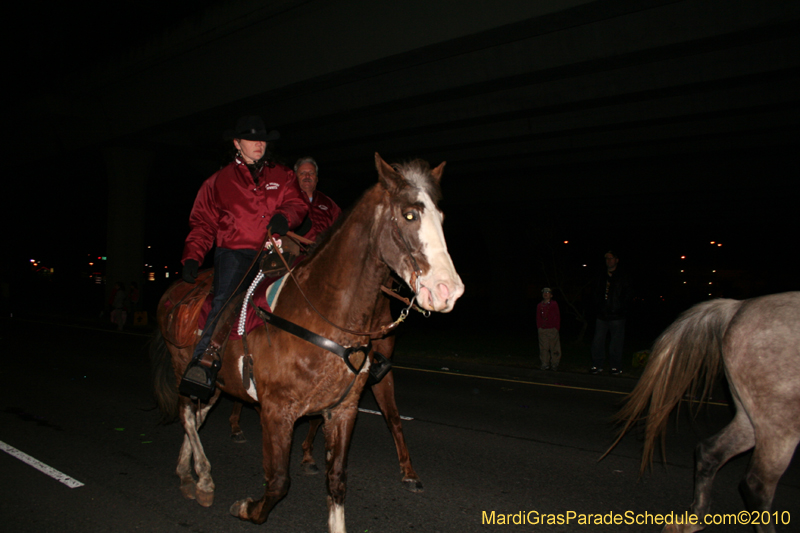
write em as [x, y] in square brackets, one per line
[190, 271]
[278, 224]
[305, 227]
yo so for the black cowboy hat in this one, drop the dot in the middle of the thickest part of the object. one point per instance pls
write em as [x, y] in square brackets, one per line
[251, 128]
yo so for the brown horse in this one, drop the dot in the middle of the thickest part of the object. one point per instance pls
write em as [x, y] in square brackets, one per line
[757, 342]
[383, 391]
[396, 226]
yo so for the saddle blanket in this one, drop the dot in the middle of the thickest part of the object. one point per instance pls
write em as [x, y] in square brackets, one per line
[266, 299]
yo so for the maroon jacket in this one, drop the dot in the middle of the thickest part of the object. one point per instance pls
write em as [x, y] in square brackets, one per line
[233, 212]
[548, 316]
[323, 212]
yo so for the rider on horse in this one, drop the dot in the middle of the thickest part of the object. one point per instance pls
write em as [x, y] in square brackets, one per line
[322, 211]
[233, 210]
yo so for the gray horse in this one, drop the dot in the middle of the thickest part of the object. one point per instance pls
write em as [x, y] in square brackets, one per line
[757, 342]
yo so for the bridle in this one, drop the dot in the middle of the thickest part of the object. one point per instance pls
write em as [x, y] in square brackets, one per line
[383, 330]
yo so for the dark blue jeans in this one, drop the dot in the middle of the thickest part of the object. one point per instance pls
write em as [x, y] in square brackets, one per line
[615, 328]
[229, 267]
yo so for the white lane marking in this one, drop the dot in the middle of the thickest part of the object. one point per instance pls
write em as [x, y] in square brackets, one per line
[379, 413]
[40, 466]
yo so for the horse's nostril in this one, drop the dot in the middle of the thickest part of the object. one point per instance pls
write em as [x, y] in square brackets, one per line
[444, 292]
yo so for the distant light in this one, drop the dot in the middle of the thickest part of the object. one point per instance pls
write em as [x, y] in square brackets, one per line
[151, 276]
[681, 270]
[33, 260]
[713, 271]
[683, 257]
[166, 274]
[684, 283]
[166, 267]
[566, 242]
[719, 244]
[91, 264]
[584, 265]
[713, 242]
[104, 258]
[709, 283]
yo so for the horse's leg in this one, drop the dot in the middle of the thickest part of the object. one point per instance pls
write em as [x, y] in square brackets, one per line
[737, 437]
[384, 395]
[193, 418]
[237, 435]
[307, 464]
[276, 430]
[770, 460]
[184, 470]
[338, 431]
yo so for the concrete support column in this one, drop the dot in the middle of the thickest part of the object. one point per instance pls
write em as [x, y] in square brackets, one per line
[128, 170]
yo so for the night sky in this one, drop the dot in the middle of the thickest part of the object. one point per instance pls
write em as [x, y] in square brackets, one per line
[59, 207]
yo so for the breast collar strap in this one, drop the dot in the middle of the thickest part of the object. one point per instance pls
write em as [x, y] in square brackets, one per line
[317, 340]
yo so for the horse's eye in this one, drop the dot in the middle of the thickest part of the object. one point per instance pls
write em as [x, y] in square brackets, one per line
[410, 216]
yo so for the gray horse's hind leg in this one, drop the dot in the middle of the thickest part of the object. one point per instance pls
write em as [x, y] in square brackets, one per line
[710, 455]
[771, 458]
[714, 452]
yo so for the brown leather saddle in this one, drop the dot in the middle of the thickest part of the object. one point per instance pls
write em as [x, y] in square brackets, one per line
[185, 301]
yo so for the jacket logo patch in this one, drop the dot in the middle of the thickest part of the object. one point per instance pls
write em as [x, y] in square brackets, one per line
[323, 207]
[271, 186]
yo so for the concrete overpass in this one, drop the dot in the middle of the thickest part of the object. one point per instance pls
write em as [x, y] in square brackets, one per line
[607, 102]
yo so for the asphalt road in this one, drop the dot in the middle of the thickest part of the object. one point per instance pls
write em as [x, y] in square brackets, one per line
[78, 400]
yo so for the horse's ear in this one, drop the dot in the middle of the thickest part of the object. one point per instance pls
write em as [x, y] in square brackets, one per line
[388, 177]
[437, 172]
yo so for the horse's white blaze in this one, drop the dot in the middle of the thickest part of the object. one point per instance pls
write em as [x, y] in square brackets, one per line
[251, 390]
[336, 519]
[441, 285]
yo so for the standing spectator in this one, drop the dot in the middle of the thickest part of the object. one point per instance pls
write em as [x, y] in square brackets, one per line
[233, 210]
[119, 304]
[133, 296]
[612, 295]
[322, 211]
[548, 320]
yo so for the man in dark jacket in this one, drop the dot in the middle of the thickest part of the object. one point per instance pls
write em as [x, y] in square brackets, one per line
[612, 295]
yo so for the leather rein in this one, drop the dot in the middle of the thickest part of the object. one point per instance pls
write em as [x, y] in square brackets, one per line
[383, 330]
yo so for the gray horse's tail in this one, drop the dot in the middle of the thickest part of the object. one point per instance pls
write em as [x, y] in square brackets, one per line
[165, 386]
[687, 356]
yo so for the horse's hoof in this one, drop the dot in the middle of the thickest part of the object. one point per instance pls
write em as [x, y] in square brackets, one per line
[189, 490]
[238, 438]
[205, 498]
[413, 485]
[309, 469]
[239, 509]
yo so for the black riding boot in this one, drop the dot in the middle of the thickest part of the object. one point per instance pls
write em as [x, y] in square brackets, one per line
[200, 379]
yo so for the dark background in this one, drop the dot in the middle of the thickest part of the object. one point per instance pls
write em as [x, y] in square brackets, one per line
[653, 151]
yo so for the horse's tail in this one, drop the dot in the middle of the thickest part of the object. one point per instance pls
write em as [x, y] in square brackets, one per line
[686, 356]
[165, 387]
